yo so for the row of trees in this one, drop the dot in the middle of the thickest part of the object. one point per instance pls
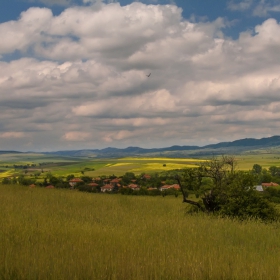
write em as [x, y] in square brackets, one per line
[272, 174]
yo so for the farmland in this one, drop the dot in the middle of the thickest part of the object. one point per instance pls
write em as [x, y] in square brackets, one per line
[62, 166]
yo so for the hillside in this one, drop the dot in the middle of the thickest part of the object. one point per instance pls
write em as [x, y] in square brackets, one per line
[236, 147]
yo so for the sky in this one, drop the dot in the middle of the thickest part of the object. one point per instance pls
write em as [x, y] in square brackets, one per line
[74, 73]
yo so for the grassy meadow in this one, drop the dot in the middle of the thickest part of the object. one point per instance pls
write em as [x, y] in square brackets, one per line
[64, 234]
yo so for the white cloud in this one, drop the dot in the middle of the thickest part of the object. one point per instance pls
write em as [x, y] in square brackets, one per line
[87, 83]
[149, 104]
[12, 134]
[264, 8]
[239, 6]
[76, 136]
[54, 2]
[260, 8]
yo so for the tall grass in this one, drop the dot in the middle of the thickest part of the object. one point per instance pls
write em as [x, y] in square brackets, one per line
[62, 234]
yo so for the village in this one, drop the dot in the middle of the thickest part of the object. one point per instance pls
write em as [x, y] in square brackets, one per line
[143, 184]
[127, 184]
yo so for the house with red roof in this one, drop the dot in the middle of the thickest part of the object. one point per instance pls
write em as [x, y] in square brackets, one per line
[151, 189]
[134, 187]
[93, 184]
[167, 187]
[271, 184]
[115, 182]
[107, 188]
[73, 182]
[176, 187]
[164, 187]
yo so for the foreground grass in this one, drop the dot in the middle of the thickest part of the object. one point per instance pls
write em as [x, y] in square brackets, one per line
[62, 234]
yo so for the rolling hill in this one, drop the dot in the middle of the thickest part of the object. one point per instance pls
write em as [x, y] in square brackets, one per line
[238, 146]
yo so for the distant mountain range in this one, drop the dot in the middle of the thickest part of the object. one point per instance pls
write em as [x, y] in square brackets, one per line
[247, 145]
[237, 146]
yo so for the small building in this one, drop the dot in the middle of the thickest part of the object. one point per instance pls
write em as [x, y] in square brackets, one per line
[259, 188]
[93, 184]
[271, 184]
[167, 187]
[107, 188]
[146, 176]
[164, 188]
[134, 187]
[151, 189]
[73, 182]
[115, 182]
[176, 187]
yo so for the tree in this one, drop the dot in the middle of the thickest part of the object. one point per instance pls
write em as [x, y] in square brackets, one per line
[6, 181]
[127, 177]
[257, 169]
[54, 180]
[86, 179]
[70, 177]
[229, 193]
[274, 171]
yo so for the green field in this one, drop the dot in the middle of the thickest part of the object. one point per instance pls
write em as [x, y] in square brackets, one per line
[63, 166]
[64, 234]
[246, 162]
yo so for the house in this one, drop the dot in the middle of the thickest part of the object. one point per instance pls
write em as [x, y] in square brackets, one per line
[107, 188]
[73, 182]
[176, 187]
[134, 187]
[151, 189]
[164, 188]
[271, 184]
[259, 188]
[93, 184]
[146, 176]
[167, 187]
[115, 182]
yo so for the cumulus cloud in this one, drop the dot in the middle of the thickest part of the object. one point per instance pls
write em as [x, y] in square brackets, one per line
[81, 78]
[260, 8]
